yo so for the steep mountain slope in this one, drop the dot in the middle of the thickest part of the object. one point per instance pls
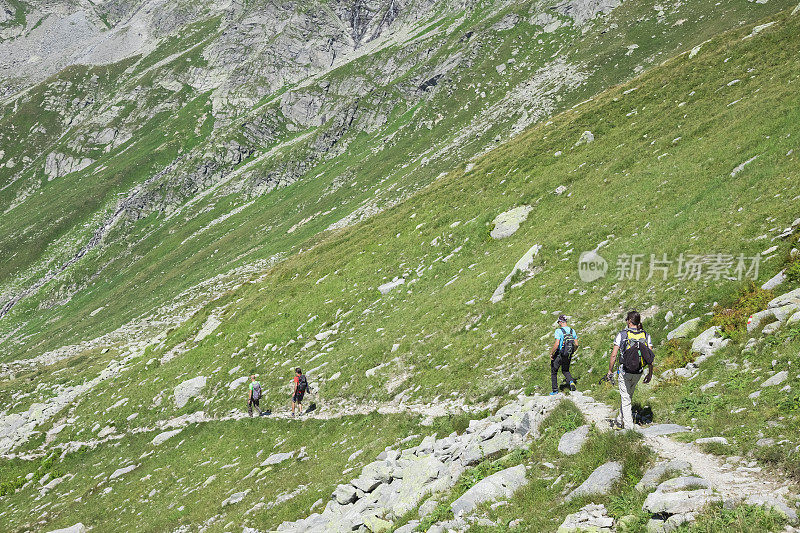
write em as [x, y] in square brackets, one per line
[401, 314]
[250, 128]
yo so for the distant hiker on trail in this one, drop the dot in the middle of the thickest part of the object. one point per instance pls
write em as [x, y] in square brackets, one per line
[299, 390]
[254, 396]
[635, 348]
[561, 354]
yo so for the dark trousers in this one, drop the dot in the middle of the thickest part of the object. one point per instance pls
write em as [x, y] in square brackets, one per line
[562, 363]
[253, 403]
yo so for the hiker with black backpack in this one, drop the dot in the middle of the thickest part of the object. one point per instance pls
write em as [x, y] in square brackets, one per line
[300, 389]
[635, 350]
[254, 396]
[561, 354]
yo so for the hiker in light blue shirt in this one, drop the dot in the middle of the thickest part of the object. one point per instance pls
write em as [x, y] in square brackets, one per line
[566, 340]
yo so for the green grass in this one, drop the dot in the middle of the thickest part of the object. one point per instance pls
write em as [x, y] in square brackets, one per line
[452, 342]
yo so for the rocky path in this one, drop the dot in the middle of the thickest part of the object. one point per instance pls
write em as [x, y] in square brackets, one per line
[735, 479]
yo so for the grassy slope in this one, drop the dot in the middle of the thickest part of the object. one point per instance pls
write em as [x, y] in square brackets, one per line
[683, 204]
[128, 277]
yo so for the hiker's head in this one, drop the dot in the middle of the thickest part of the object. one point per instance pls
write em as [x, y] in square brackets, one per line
[634, 319]
[562, 320]
[252, 377]
[298, 371]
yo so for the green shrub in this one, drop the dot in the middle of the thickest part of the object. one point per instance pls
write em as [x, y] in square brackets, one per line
[678, 354]
[793, 269]
[732, 320]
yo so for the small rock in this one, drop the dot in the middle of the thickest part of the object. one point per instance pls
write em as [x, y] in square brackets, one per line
[685, 330]
[235, 498]
[600, 481]
[162, 437]
[499, 484]
[572, 442]
[679, 502]
[586, 138]
[777, 379]
[712, 440]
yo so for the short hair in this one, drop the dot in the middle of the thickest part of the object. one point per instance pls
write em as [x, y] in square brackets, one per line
[634, 318]
[297, 369]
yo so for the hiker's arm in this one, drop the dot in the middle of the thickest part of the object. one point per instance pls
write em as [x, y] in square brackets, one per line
[649, 375]
[553, 349]
[613, 359]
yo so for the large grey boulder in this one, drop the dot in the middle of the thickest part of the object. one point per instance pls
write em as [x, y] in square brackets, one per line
[679, 502]
[345, 494]
[685, 330]
[600, 481]
[498, 485]
[708, 342]
[783, 312]
[756, 319]
[791, 297]
[191, 388]
[572, 441]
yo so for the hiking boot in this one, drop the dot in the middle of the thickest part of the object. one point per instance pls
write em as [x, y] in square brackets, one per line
[572, 386]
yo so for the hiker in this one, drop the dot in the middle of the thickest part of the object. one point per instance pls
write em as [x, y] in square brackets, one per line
[635, 348]
[299, 390]
[253, 396]
[561, 354]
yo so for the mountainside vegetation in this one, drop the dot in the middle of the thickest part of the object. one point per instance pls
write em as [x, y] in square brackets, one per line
[395, 197]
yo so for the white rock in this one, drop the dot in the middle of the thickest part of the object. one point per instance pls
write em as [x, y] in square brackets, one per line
[122, 471]
[777, 379]
[507, 223]
[162, 437]
[191, 388]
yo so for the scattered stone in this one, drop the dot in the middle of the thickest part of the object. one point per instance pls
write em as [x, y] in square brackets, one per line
[774, 281]
[586, 138]
[762, 443]
[755, 321]
[162, 437]
[345, 494]
[712, 440]
[683, 483]
[277, 458]
[679, 502]
[599, 482]
[507, 223]
[590, 518]
[771, 328]
[523, 265]
[498, 485]
[387, 287]
[652, 475]
[77, 528]
[235, 498]
[122, 471]
[771, 502]
[187, 390]
[707, 343]
[685, 330]
[777, 379]
[572, 442]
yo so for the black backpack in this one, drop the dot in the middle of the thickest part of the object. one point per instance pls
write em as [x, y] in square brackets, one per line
[567, 344]
[302, 383]
[257, 391]
[635, 353]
